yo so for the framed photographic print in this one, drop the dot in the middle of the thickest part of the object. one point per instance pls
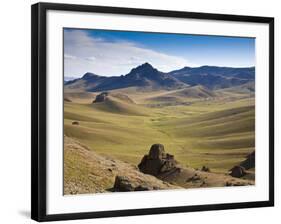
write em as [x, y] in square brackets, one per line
[139, 111]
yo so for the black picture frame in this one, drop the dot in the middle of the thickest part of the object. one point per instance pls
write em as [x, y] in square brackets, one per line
[38, 108]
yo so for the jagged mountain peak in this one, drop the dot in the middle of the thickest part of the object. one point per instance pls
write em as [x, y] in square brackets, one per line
[144, 68]
[145, 75]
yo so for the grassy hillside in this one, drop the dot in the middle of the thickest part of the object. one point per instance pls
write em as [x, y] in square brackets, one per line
[87, 172]
[214, 129]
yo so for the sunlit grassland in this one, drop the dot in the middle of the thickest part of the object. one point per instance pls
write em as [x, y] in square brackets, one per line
[217, 132]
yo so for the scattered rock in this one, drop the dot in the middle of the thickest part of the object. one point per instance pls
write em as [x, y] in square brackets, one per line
[240, 170]
[75, 122]
[237, 171]
[66, 99]
[101, 97]
[231, 184]
[205, 169]
[227, 184]
[203, 184]
[143, 188]
[157, 161]
[92, 172]
[123, 184]
[193, 178]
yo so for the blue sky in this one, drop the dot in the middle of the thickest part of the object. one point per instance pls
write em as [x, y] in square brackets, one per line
[113, 53]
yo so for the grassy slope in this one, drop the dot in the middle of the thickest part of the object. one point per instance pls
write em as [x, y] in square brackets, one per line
[87, 172]
[216, 132]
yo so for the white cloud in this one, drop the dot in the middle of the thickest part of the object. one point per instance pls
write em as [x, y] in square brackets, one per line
[83, 53]
[69, 57]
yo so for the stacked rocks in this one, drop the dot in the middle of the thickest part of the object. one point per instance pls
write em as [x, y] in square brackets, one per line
[157, 161]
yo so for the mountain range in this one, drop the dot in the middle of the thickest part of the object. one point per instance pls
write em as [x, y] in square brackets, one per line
[146, 76]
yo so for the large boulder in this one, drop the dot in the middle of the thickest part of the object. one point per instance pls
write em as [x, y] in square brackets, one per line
[157, 161]
[125, 184]
[238, 171]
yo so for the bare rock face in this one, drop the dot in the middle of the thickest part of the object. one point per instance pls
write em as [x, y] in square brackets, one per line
[156, 151]
[101, 97]
[157, 161]
[238, 171]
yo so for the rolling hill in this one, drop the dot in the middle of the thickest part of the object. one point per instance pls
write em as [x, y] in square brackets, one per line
[118, 103]
[190, 92]
[204, 116]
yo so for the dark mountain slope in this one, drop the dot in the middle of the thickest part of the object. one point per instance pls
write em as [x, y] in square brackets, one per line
[215, 77]
[142, 76]
[244, 73]
[88, 81]
[145, 76]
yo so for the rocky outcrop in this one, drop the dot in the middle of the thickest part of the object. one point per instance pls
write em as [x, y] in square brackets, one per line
[101, 97]
[107, 96]
[157, 162]
[85, 171]
[164, 166]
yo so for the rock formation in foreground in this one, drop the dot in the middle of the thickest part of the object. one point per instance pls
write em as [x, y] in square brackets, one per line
[157, 162]
[164, 166]
[88, 172]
